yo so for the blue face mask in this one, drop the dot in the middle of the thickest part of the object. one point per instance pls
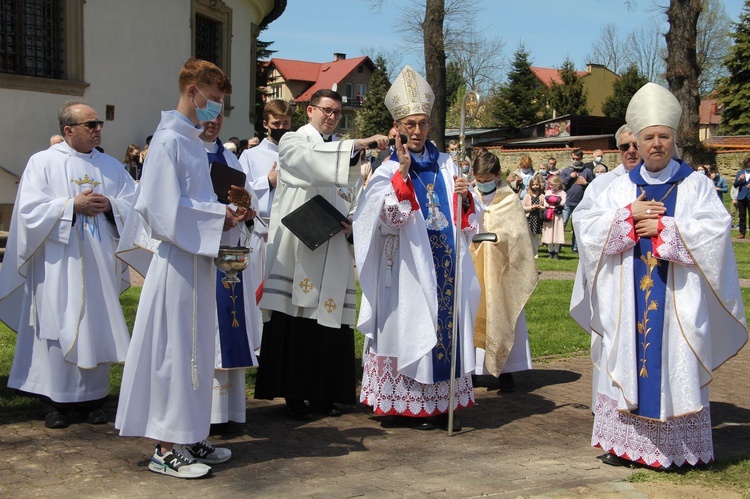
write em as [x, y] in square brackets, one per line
[543, 173]
[486, 187]
[212, 110]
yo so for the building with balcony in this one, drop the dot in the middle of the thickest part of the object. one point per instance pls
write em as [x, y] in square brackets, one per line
[297, 81]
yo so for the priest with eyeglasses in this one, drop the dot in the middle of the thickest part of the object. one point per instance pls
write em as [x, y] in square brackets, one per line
[307, 350]
[404, 234]
[60, 281]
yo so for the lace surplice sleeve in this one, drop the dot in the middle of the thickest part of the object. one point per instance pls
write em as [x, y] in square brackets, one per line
[400, 203]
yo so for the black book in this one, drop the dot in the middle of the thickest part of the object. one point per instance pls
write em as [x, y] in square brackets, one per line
[223, 177]
[315, 222]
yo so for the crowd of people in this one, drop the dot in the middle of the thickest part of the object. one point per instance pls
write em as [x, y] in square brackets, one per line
[444, 252]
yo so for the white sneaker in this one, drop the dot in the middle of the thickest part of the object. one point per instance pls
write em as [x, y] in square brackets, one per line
[204, 452]
[176, 463]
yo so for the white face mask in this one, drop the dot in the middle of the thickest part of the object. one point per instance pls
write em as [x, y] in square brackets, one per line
[486, 187]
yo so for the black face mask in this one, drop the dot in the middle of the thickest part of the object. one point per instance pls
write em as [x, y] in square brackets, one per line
[277, 133]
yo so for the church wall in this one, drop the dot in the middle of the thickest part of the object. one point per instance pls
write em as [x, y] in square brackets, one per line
[133, 52]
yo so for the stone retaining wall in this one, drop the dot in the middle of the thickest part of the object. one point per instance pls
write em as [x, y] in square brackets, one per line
[729, 162]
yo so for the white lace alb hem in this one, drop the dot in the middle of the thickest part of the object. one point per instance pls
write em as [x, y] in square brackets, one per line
[678, 440]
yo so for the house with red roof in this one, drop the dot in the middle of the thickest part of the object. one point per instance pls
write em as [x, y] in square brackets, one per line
[710, 118]
[598, 83]
[297, 81]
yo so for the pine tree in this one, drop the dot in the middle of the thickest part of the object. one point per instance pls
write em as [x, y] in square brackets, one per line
[374, 117]
[568, 97]
[624, 88]
[262, 55]
[734, 90]
[520, 101]
[454, 81]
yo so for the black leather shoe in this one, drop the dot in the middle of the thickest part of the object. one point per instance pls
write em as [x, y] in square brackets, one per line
[97, 416]
[613, 460]
[298, 409]
[325, 409]
[507, 384]
[413, 423]
[442, 422]
[55, 419]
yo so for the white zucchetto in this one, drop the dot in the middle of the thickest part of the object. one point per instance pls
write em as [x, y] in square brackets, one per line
[653, 105]
[409, 94]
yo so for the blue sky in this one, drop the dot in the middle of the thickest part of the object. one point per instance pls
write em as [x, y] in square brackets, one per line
[312, 30]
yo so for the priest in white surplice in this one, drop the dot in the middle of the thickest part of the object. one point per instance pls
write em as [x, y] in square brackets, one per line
[168, 377]
[261, 165]
[665, 296]
[60, 281]
[406, 257]
[307, 350]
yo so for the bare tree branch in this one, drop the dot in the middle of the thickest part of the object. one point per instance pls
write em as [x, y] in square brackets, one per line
[481, 60]
[608, 50]
[648, 50]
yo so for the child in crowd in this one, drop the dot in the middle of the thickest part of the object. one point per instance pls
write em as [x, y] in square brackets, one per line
[533, 205]
[553, 231]
[507, 275]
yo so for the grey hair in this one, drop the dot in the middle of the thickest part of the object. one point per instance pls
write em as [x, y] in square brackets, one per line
[623, 129]
[65, 115]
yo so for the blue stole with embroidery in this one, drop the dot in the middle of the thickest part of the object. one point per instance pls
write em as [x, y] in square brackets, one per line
[650, 276]
[436, 204]
[230, 307]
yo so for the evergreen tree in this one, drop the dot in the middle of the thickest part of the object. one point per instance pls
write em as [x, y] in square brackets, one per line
[374, 117]
[520, 101]
[262, 55]
[624, 88]
[454, 80]
[734, 90]
[568, 97]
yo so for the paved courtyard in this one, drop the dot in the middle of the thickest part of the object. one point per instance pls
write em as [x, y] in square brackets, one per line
[528, 443]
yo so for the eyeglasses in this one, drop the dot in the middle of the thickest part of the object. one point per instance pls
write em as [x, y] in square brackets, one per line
[626, 147]
[412, 125]
[91, 125]
[329, 112]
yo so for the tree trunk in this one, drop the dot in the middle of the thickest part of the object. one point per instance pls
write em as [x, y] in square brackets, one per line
[434, 61]
[683, 72]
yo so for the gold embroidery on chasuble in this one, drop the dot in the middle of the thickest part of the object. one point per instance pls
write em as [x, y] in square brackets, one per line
[306, 285]
[86, 180]
[330, 305]
[445, 296]
[223, 389]
[233, 297]
[647, 282]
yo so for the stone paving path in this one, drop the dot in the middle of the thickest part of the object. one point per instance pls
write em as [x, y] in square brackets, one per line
[531, 442]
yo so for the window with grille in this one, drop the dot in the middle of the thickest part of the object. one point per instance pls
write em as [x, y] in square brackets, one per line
[41, 46]
[212, 37]
[31, 38]
[208, 39]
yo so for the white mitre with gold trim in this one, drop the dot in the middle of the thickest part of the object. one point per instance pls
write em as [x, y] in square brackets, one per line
[653, 105]
[409, 94]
